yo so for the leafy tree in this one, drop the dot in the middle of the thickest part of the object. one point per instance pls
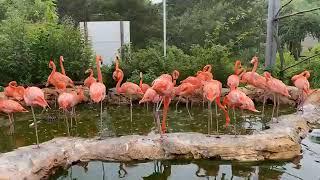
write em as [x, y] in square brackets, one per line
[144, 16]
[30, 35]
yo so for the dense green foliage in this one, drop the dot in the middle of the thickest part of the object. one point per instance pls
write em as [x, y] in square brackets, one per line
[30, 35]
[144, 17]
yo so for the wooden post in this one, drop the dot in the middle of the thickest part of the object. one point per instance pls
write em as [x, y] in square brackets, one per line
[272, 30]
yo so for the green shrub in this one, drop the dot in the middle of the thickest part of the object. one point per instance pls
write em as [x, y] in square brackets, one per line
[151, 62]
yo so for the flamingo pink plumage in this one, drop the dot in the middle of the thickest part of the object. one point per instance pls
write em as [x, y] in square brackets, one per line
[302, 83]
[276, 87]
[58, 80]
[14, 91]
[61, 66]
[89, 80]
[34, 96]
[164, 86]
[212, 92]
[9, 107]
[233, 80]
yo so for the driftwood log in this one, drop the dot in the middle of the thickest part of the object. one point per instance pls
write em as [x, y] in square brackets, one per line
[280, 142]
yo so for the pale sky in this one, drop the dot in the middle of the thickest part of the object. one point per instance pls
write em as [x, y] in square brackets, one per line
[156, 1]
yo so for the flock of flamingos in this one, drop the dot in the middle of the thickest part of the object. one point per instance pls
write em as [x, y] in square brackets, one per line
[162, 91]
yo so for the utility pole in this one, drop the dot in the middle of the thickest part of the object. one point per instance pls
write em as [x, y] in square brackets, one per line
[164, 29]
[272, 32]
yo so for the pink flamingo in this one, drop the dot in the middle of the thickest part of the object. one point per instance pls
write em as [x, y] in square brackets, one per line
[9, 107]
[238, 99]
[68, 101]
[97, 90]
[302, 83]
[212, 92]
[164, 86]
[151, 96]
[205, 74]
[34, 96]
[233, 80]
[89, 80]
[129, 89]
[58, 80]
[15, 91]
[61, 66]
[185, 90]
[256, 80]
[277, 88]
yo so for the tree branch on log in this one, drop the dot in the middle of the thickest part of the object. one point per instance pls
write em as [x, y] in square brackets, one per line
[296, 13]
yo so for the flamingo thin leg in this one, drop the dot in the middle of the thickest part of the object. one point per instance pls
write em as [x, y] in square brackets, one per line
[35, 126]
[274, 106]
[278, 106]
[188, 108]
[235, 121]
[209, 117]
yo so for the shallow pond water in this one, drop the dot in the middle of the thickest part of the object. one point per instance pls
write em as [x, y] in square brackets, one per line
[117, 122]
[306, 167]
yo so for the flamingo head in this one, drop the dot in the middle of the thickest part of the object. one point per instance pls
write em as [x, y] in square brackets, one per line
[117, 74]
[307, 74]
[51, 64]
[175, 75]
[61, 58]
[207, 68]
[99, 59]
[267, 75]
[254, 60]
[249, 105]
[88, 70]
[238, 68]
[13, 83]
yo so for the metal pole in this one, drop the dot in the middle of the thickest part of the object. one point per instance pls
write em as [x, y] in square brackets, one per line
[272, 28]
[164, 29]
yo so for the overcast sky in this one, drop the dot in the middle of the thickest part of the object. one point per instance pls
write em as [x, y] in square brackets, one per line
[156, 1]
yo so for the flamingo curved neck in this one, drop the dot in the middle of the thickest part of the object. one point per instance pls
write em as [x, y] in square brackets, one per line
[140, 84]
[255, 66]
[62, 67]
[236, 69]
[118, 86]
[99, 71]
[91, 73]
[53, 69]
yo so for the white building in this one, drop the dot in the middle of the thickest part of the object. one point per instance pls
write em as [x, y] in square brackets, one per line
[106, 37]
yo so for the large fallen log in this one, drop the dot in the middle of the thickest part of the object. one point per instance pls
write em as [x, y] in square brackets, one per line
[279, 142]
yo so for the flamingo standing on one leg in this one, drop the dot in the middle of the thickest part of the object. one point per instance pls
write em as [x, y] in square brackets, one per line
[98, 89]
[302, 83]
[9, 107]
[15, 91]
[89, 80]
[34, 96]
[238, 99]
[277, 88]
[61, 66]
[212, 92]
